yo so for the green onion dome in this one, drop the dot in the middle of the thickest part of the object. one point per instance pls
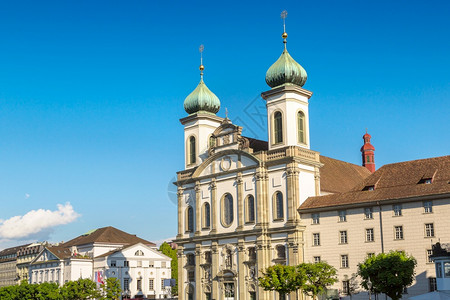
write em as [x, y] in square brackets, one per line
[201, 99]
[285, 70]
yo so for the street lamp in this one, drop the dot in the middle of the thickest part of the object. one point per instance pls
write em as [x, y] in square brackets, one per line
[369, 286]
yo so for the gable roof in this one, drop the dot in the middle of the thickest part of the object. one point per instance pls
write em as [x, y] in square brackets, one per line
[130, 246]
[337, 176]
[392, 182]
[60, 252]
[107, 235]
[10, 251]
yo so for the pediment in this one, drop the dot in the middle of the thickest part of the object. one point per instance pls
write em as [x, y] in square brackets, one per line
[226, 161]
[45, 255]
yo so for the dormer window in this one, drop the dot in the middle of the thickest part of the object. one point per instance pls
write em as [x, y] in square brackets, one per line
[425, 181]
[369, 188]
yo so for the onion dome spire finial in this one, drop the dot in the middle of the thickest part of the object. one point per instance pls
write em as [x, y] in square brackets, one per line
[285, 71]
[201, 99]
[202, 67]
[284, 35]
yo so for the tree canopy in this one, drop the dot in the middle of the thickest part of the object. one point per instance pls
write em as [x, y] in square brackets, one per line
[318, 277]
[111, 290]
[166, 249]
[283, 279]
[389, 273]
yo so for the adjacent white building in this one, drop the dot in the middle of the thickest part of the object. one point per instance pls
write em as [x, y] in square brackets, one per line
[107, 252]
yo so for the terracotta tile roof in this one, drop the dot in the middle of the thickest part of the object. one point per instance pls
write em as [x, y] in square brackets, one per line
[391, 182]
[107, 235]
[338, 176]
[257, 145]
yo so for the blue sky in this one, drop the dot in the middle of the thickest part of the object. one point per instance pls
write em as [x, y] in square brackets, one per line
[91, 93]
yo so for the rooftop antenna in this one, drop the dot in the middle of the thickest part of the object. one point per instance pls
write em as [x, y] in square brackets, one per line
[284, 35]
[226, 113]
[200, 49]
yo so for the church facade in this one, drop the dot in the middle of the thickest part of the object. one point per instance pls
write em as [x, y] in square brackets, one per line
[238, 197]
[246, 204]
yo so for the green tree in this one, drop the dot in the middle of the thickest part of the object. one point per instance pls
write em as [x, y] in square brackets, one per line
[166, 249]
[49, 291]
[283, 279]
[318, 277]
[82, 289]
[9, 293]
[111, 289]
[389, 273]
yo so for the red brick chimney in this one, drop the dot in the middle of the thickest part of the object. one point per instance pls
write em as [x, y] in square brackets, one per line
[367, 151]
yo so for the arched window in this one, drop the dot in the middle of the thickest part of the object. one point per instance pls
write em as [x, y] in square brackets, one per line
[139, 253]
[192, 155]
[301, 127]
[206, 215]
[250, 207]
[190, 219]
[281, 252]
[227, 210]
[277, 127]
[278, 206]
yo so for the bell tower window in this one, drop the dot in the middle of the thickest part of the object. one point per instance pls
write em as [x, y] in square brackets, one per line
[192, 155]
[277, 127]
[301, 127]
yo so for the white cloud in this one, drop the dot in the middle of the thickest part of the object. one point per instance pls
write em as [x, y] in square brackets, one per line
[36, 221]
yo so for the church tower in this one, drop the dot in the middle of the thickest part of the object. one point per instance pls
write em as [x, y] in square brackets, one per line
[368, 155]
[287, 102]
[202, 106]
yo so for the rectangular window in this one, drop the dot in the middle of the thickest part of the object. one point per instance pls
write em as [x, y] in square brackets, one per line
[369, 255]
[139, 263]
[397, 210]
[447, 269]
[315, 218]
[344, 261]
[126, 263]
[369, 235]
[163, 264]
[191, 276]
[398, 232]
[139, 284]
[432, 284]
[439, 270]
[429, 230]
[346, 287]
[316, 259]
[162, 284]
[428, 207]
[342, 216]
[126, 284]
[113, 263]
[316, 239]
[343, 237]
[151, 286]
[429, 253]
[368, 213]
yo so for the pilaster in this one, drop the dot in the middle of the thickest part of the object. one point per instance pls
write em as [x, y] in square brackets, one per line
[292, 172]
[241, 268]
[180, 211]
[181, 279]
[317, 180]
[198, 272]
[240, 201]
[198, 217]
[215, 294]
[213, 188]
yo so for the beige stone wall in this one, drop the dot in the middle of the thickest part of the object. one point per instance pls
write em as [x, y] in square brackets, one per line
[7, 273]
[414, 241]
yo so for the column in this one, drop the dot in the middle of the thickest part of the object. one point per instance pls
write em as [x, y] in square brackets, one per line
[215, 293]
[198, 272]
[213, 188]
[198, 215]
[261, 197]
[181, 279]
[240, 201]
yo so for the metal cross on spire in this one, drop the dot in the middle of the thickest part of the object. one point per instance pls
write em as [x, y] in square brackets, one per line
[283, 16]
[200, 49]
[226, 113]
